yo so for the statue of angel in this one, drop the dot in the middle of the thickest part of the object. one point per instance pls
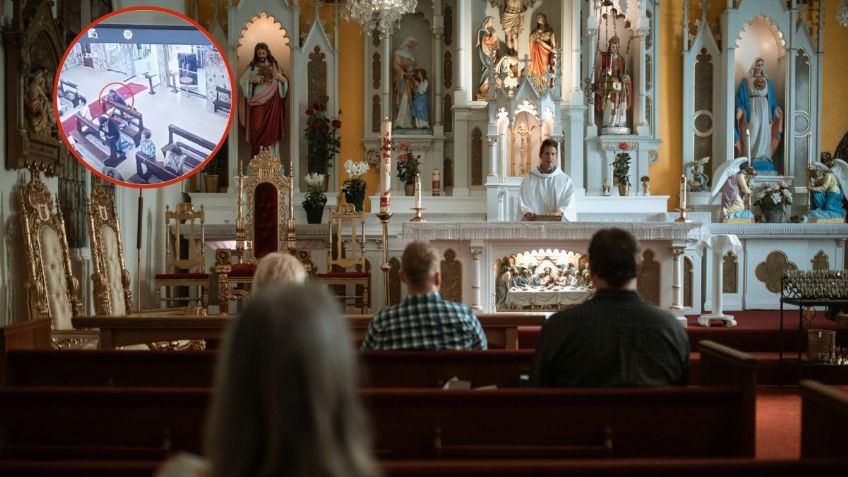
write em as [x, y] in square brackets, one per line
[732, 182]
[699, 181]
[827, 188]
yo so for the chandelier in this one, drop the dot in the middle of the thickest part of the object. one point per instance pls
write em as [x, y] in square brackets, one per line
[380, 15]
[842, 13]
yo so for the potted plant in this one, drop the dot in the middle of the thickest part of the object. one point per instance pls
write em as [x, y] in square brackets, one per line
[322, 138]
[315, 198]
[407, 167]
[621, 173]
[354, 186]
[772, 200]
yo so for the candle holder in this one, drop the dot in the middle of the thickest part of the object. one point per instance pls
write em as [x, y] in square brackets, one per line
[682, 216]
[385, 267]
[418, 217]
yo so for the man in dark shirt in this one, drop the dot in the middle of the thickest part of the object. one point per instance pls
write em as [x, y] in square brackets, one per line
[613, 339]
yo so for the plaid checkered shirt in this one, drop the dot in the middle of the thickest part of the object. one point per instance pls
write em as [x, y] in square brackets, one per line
[425, 322]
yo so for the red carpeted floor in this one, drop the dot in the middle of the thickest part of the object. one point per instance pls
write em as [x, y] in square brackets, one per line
[127, 91]
[778, 423]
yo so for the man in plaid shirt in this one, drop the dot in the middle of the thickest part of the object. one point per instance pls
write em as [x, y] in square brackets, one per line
[423, 320]
[614, 339]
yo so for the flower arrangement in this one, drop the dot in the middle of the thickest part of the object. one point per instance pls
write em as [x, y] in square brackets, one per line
[354, 186]
[621, 169]
[773, 197]
[322, 137]
[408, 164]
[315, 197]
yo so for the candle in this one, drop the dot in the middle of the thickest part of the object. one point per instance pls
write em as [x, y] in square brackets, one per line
[437, 183]
[417, 190]
[683, 191]
[385, 166]
[748, 144]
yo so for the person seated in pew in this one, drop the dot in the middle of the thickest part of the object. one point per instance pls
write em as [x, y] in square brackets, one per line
[278, 268]
[146, 146]
[175, 160]
[614, 339]
[423, 320]
[116, 98]
[285, 400]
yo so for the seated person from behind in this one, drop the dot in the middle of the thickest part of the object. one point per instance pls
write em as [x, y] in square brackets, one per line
[278, 268]
[146, 146]
[547, 190]
[175, 160]
[423, 320]
[614, 339]
[286, 399]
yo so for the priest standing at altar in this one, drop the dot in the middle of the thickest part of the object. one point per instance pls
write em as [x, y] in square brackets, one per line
[547, 190]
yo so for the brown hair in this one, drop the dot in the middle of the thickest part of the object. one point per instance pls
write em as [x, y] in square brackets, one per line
[612, 256]
[419, 264]
[546, 144]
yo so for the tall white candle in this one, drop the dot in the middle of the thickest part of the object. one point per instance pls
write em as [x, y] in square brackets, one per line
[683, 191]
[417, 190]
[386, 166]
[748, 144]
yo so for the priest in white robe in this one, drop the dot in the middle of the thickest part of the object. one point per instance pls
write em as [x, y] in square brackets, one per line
[547, 190]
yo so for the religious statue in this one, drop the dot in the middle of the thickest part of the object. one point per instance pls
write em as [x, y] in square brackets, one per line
[759, 119]
[38, 104]
[827, 187]
[263, 111]
[699, 181]
[542, 46]
[512, 21]
[405, 69]
[646, 185]
[614, 88]
[420, 105]
[488, 45]
[732, 182]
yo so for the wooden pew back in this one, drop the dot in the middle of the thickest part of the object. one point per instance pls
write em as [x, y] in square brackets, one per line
[824, 421]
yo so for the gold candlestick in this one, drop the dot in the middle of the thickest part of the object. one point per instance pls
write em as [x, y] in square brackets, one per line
[418, 217]
[384, 221]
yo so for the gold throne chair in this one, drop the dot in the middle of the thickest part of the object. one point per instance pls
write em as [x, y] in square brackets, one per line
[269, 227]
[347, 267]
[186, 270]
[52, 290]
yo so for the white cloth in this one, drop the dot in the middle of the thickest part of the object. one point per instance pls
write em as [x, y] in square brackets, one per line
[546, 193]
[760, 121]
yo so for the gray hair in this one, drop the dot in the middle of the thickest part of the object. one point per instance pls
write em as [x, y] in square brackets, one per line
[278, 267]
[286, 400]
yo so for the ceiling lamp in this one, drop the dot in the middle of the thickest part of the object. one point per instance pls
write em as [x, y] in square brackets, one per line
[380, 15]
[842, 13]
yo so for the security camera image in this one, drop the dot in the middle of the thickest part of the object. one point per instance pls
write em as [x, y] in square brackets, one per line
[144, 104]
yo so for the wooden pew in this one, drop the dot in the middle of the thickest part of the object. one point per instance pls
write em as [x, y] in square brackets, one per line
[397, 369]
[824, 421]
[196, 148]
[70, 91]
[134, 127]
[90, 139]
[27, 335]
[222, 104]
[153, 168]
[79, 468]
[134, 423]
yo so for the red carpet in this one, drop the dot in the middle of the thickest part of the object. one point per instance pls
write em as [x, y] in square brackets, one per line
[778, 423]
[126, 91]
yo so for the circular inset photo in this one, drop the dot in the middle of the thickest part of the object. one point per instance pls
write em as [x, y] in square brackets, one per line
[144, 97]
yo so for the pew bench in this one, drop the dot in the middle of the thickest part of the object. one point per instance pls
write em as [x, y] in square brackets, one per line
[223, 100]
[134, 119]
[196, 148]
[154, 168]
[90, 139]
[824, 420]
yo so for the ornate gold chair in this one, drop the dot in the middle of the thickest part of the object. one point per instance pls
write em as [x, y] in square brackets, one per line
[188, 270]
[52, 290]
[269, 227]
[339, 260]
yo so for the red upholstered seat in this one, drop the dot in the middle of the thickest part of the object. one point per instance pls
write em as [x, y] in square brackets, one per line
[343, 275]
[182, 276]
[242, 270]
[265, 220]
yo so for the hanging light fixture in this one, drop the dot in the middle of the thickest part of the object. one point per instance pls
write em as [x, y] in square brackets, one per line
[380, 15]
[842, 13]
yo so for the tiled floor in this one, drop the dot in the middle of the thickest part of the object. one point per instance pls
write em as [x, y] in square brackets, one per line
[186, 110]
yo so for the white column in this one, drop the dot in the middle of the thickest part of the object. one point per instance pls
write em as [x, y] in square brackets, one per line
[640, 126]
[717, 243]
[464, 51]
[493, 158]
[475, 284]
[677, 285]
[436, 74]
[590, 69]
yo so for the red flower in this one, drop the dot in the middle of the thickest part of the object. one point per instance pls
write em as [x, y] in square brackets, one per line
[624, 146]
[337, 124]
[309, 112]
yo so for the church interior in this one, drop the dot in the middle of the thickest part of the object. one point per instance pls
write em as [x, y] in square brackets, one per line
[711, 130]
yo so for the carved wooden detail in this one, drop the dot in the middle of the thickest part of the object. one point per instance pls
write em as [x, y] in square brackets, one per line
[729, 273]
[448, 112]
[448, 21]
[375, 38]
[648, 278]
[476, 157]
[688, 280]
[394, 281]
[451, 277]
[111, 279]
[447, 69]
[447, 174]
[376, 71]
[72, 201]
[33, 48]
[316, 71]
[771, 270]
[375, 113]
[821, 261]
